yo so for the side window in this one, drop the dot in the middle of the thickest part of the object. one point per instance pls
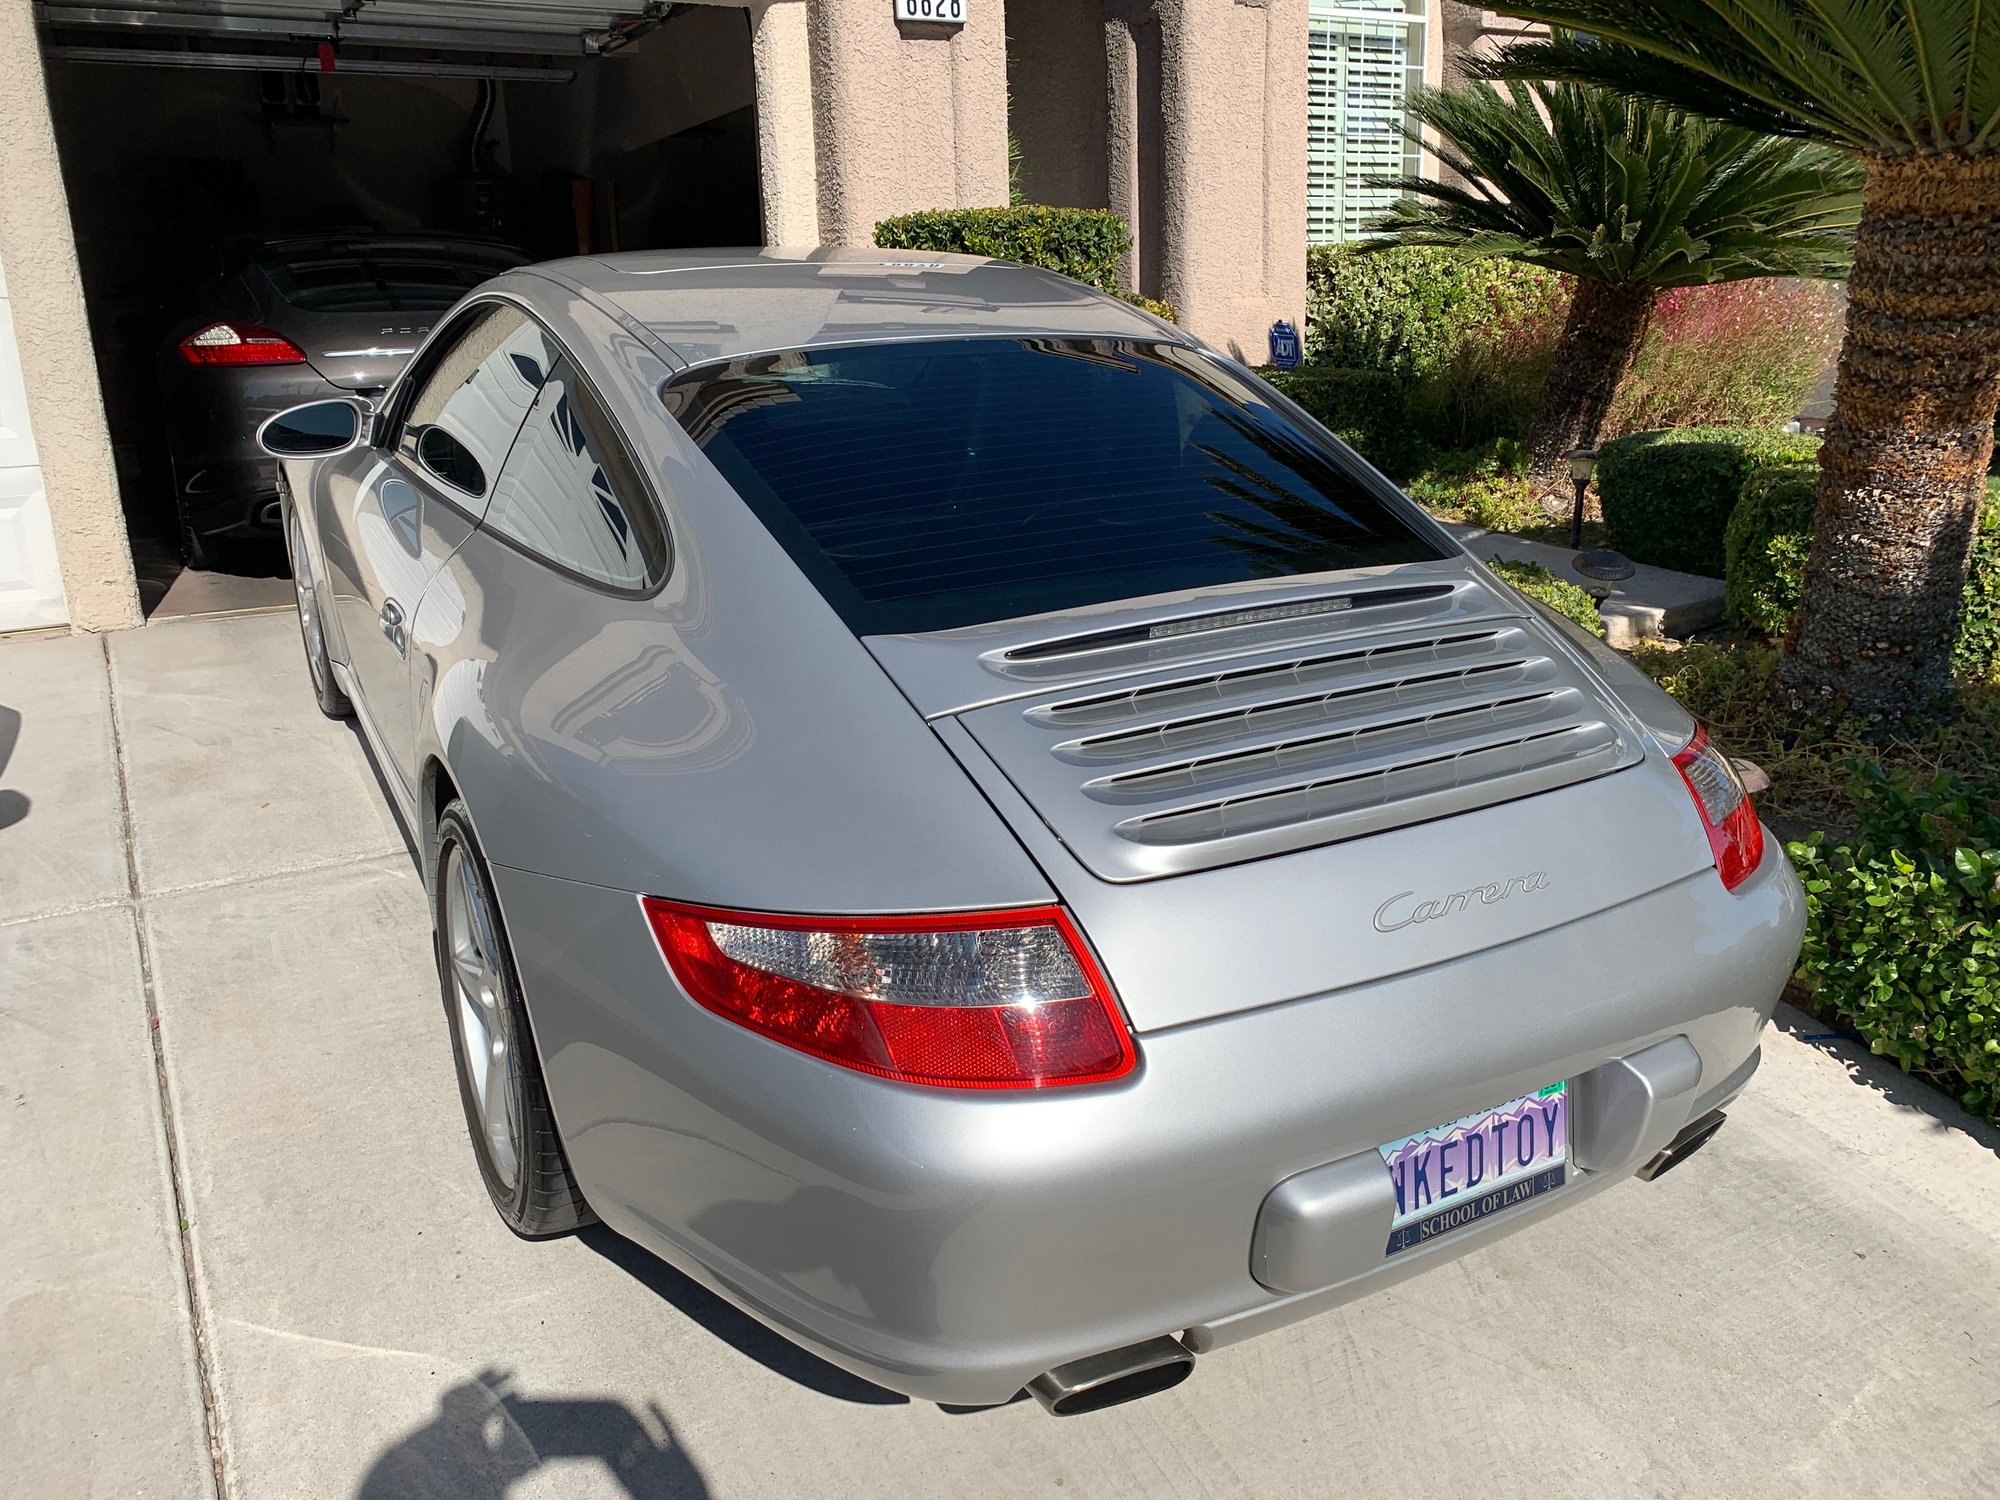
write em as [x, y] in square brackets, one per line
[570, 494]
[469, 405]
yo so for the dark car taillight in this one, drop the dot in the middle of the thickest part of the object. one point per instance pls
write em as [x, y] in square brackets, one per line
[240, 344]
[1726, 812]
[967, 1000]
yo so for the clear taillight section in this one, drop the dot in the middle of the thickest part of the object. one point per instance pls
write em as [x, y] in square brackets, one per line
[240, 344]
[1726, 811]
[970, 1000]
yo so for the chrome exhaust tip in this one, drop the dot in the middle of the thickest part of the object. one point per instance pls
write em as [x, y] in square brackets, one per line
[1691, 1139]
[1102, 1380]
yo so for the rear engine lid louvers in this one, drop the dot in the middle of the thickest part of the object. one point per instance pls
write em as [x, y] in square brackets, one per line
[1200, 765]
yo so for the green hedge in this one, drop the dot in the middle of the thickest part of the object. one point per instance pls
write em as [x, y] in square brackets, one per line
[1369, 409]
[1082, 243]
[1408, 309]
[1771, 533]
[1903, 929]
[1565, 598]
[1668, 496]
[1978, 651]
[1765, 546]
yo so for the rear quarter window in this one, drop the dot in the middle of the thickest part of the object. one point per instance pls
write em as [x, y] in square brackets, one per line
[927, 486]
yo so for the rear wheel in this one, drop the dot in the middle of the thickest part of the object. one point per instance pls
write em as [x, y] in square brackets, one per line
[312, 626]
[499, 1076]
[193, 548]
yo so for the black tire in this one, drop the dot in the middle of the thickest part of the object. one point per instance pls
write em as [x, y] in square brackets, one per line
[332, 701]
[538, 1197]
[194, 550]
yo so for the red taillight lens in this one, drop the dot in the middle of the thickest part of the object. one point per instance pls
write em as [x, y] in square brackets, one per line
[1733, 830]
[240, 344]
[966, 1000]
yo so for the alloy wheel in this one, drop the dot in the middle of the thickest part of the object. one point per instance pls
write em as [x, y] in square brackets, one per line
[309, 622]
[479, 992]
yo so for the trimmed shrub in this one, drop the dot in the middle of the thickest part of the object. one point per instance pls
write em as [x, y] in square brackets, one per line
[1368, 409]
[1082, 243]
[1771, 532]
[1741, 354]
[1978, 652]
[1668, 496]
[1166, 312]
[1565, 598]
[1765, 546]
[1903, 928]
[1406, 309]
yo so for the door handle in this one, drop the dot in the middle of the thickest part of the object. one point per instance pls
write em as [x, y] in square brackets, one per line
[392, 625]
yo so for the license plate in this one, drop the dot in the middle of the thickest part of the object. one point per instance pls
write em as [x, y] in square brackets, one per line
[1453, 1175]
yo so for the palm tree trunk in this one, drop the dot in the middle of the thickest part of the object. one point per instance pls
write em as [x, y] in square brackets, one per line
[1601, 337]
[1903, 470]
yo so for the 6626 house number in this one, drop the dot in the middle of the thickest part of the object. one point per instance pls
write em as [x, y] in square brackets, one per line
[950, 12]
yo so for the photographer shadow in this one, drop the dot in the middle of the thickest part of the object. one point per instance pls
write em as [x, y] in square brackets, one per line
[486, 1437]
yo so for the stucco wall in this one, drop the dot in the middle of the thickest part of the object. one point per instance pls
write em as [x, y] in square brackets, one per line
[787, 157]
[64, 402]
[1056, 99]
[1228, 247]
[905, 117]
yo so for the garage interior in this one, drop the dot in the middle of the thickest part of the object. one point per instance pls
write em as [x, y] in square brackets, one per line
[183, 127]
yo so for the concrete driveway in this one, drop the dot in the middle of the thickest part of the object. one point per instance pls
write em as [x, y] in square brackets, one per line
[244, 1246]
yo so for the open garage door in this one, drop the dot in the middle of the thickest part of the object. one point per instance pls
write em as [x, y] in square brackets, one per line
[192, 129]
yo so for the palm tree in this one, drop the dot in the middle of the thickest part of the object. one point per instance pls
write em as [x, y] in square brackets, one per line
[1629, 198]
[1911, 90]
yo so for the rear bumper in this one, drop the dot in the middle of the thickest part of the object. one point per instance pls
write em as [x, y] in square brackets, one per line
[952, 1246]
[223, 482]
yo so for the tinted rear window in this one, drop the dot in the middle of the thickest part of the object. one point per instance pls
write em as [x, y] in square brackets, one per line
[931, 485]
[383, 278]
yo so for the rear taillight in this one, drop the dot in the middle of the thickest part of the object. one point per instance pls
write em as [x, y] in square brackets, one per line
[1726, 812]
[240, 344]
[965, 1000]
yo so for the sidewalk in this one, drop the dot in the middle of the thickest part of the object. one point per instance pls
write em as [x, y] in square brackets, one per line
[1805, 1309]
[1654, 603]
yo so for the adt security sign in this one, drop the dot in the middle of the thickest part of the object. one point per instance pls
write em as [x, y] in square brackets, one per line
[950, 12]
[1284, 345]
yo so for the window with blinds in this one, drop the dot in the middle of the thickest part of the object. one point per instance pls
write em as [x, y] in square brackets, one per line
[1363, 58]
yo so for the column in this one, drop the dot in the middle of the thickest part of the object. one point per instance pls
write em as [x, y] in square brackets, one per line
[906, 116]
[787, 163]
[45, 286]
[1206, 159]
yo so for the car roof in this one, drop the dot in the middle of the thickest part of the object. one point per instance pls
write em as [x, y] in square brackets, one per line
[707, 305]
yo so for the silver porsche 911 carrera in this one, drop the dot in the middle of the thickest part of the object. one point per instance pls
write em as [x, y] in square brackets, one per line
[970, 825]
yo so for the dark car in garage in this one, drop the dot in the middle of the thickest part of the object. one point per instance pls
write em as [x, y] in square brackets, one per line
[294, 319]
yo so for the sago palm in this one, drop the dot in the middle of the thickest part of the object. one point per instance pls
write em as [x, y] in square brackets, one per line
[1627, 197]
[1911, 90]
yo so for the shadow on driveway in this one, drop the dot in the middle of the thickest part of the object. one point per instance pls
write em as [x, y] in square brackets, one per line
[485, 1437]
[13, 805]
[1883, 1076]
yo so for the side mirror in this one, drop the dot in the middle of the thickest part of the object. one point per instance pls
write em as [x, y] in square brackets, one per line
[316, 430]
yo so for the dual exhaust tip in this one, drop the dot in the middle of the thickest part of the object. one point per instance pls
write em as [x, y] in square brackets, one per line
[1692, 1138]
[1158, 1364]
[1102, 1380]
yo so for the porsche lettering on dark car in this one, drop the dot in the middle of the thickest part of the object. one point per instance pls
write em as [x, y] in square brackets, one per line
[908, 761]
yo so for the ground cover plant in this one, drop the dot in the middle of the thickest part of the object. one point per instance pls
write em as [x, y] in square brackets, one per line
[1896, 835]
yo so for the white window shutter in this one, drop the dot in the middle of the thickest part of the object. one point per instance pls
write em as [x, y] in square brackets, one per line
[1363, 57]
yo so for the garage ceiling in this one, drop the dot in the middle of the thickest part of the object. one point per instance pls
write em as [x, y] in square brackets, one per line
[487, 25]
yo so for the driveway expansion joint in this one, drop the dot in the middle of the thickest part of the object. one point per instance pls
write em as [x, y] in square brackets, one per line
[197, 1323]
